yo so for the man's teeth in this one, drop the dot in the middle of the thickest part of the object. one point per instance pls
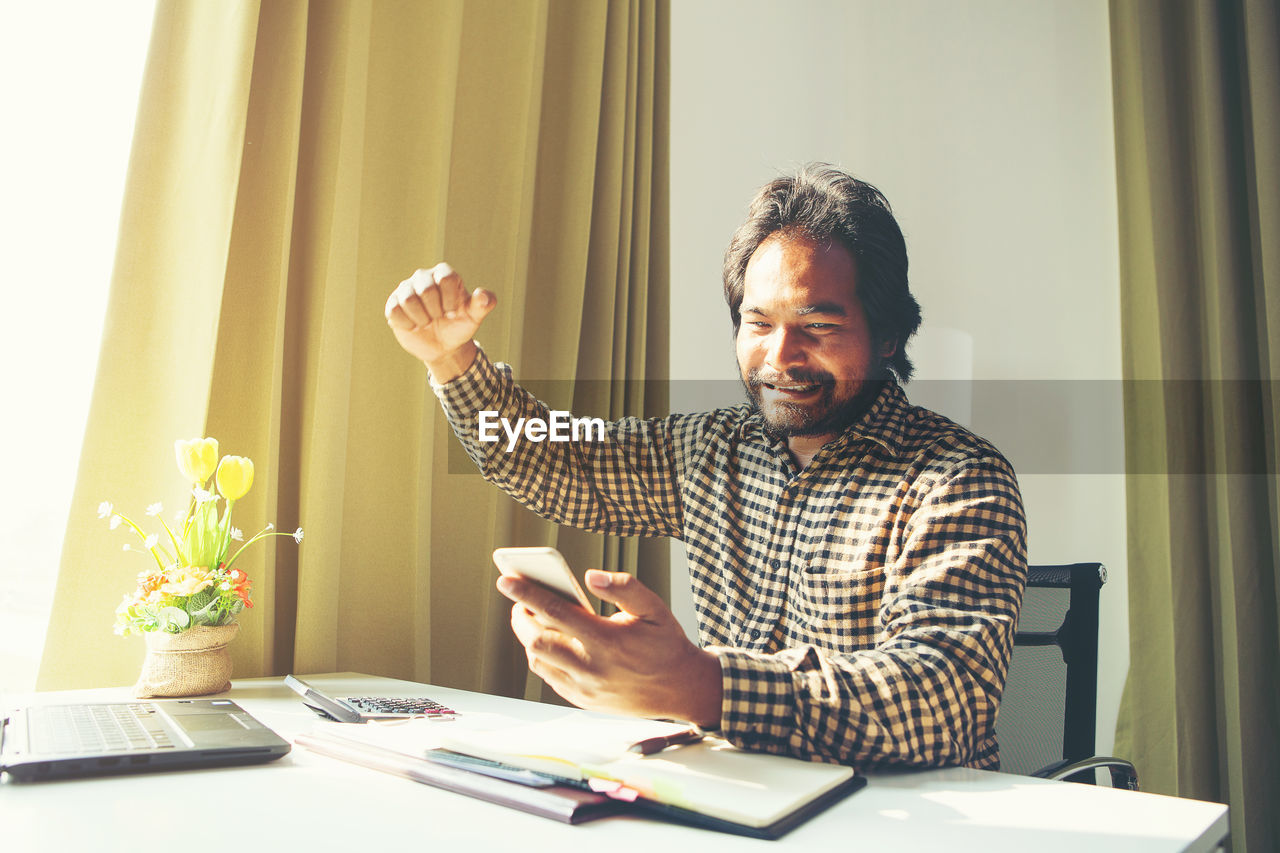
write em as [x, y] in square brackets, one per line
[793, 387]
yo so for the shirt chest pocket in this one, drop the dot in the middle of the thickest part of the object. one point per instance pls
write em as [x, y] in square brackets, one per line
[838, 609]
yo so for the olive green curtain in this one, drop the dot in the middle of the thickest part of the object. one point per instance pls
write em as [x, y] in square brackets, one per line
[1197, 107]
[293, 161]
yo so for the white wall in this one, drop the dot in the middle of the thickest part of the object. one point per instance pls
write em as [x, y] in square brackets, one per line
[988, 126]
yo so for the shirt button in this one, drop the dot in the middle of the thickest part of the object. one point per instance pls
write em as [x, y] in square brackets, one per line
[777, 564]
[755, 633]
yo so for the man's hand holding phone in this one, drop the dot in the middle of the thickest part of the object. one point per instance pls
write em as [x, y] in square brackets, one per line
[544, 566]
[637, 661]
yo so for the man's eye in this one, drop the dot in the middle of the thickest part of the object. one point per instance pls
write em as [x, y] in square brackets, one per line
[821, 327]
[759, 324]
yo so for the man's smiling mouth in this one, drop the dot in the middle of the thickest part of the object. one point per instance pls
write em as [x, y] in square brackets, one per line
[792, 389]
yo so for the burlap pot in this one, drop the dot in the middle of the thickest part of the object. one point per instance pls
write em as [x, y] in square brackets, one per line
[193, 663]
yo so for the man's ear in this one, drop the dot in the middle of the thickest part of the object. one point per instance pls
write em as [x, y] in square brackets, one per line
[888, 348]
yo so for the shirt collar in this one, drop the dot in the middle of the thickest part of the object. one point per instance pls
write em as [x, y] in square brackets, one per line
[883, 422]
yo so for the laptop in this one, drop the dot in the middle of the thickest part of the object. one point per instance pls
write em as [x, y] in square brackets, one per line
[102, 738]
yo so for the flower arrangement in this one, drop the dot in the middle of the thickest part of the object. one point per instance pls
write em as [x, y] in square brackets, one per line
[195, 581]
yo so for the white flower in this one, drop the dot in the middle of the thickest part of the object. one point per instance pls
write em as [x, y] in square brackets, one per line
[116, 521]
[202, 495]
[297, 536]
[155, 509]
[104, 509]
[237, 534]
[270, 526]
[151, 541]
[180, 516]
[224, 586]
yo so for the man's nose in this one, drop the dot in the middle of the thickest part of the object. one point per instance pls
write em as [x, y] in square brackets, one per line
[786, 349]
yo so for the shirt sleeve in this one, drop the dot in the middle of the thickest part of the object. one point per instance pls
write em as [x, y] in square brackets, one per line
[927, 693]
[618, 477]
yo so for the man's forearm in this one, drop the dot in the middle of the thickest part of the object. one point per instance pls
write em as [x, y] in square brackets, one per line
[617, 483]
[913, 707]
[927, 694]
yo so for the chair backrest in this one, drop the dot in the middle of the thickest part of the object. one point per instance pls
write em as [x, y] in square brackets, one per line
[1048, 712]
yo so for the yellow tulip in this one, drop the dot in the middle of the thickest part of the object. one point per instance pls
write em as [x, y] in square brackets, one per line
[235, 476]
[197, 458]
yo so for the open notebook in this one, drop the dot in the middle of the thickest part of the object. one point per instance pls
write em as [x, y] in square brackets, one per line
[708, 777]
[708, 783]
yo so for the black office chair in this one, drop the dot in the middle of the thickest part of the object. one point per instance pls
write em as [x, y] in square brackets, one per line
[1047, 725]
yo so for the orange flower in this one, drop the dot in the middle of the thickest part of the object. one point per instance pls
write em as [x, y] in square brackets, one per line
[149, 582]
[240, 585]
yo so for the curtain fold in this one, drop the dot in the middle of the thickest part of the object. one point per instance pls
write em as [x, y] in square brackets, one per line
[1197, 107]
[293, 161]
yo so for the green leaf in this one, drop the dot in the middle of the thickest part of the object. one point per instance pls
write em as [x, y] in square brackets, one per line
[173, 619]
[201, 599]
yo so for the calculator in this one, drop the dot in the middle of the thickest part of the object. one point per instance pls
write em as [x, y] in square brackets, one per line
[398, 706]
[360, 709]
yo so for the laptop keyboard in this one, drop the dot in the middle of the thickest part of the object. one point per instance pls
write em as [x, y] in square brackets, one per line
[98, 728]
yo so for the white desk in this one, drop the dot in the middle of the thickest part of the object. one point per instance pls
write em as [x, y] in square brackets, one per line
[309, 802]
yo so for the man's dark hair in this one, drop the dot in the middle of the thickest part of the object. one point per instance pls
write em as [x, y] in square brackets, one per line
[824, 205]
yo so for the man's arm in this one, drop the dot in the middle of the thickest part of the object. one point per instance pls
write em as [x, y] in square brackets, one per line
[928, 692]
[622, 478]
[623, 482]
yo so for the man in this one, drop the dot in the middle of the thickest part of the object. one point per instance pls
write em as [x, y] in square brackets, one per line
[857, 563]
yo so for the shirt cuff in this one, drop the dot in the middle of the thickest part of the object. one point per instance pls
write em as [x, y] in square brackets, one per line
[758, 708]
[471, 389]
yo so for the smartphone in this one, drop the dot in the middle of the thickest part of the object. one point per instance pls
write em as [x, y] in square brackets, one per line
[544, 566]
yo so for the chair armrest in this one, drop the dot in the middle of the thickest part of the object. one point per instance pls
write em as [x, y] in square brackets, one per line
[1123, 773]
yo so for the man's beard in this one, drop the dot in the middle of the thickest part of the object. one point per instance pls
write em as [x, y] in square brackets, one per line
[828, 414]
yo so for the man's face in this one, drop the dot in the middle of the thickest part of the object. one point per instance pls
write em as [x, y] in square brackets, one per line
[804, 348]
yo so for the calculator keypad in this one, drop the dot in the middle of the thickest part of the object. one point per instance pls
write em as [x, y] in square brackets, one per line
[401, 706]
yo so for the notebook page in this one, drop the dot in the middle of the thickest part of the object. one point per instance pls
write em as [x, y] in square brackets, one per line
[711, 777]
[564, 746]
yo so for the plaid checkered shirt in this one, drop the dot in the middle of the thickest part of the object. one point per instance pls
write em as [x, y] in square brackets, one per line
[862, 609]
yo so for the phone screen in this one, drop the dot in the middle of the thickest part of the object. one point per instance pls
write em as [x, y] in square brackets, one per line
[545, 566]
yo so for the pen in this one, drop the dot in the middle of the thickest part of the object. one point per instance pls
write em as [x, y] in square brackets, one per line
[649, 746]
